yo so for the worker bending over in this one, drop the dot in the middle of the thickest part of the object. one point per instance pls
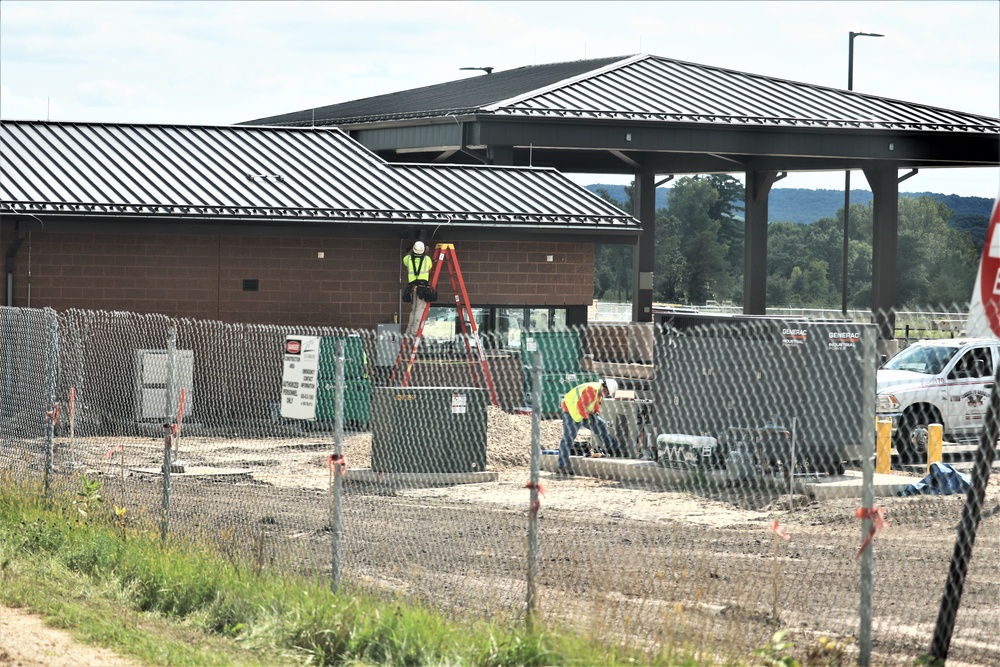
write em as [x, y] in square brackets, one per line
[582, 407]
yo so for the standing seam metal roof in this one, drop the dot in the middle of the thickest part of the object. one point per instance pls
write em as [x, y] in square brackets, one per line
[655, 88]
[235, 172]
[645, 87]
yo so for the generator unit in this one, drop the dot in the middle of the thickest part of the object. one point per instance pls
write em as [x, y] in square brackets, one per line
[429, 429]
[679, 450]
[784, 392]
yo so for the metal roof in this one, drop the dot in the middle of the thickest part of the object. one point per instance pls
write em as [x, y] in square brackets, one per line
[240, 172]
[645, 87]
[454, 98]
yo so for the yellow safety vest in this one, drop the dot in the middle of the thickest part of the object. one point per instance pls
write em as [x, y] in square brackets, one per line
[418, 267]
[571, 401]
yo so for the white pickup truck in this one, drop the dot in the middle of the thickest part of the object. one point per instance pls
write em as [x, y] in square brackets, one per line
[945, 382]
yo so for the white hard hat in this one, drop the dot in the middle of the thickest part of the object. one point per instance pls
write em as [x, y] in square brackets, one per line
[418, 248]
[612, 386]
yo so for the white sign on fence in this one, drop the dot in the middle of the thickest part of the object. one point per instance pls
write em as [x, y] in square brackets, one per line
[299, 379]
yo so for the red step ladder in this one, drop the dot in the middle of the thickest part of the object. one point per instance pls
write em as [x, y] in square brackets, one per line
[444, 254]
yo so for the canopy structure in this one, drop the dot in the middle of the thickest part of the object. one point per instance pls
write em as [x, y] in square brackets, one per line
[650, 116]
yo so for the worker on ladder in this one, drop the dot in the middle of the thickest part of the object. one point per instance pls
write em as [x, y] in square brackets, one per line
[418, 273]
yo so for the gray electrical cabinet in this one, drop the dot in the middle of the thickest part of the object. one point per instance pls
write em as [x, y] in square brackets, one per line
[151, 370]
[429, 429]
[774, 388]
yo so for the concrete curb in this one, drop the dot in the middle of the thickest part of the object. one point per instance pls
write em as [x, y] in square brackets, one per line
[824, 487]
[403, 479]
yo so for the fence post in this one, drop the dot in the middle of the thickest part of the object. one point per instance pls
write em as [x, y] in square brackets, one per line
[536, 461]
[867, 499]
[51, 369]
[338, 465]
[168, 426]
[965, 539]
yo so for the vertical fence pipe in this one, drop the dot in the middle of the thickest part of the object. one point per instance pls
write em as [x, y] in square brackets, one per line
[972, 513]
[338, 468]
[868, 357]
[536, 461]
[51, 369]
[168, 411]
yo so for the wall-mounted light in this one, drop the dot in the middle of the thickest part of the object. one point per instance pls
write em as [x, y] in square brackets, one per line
[892, 146]
[628, 136]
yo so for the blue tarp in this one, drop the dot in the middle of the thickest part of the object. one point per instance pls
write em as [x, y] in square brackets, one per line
[943, 480]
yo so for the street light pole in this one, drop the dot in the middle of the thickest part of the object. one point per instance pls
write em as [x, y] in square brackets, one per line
[847, 174]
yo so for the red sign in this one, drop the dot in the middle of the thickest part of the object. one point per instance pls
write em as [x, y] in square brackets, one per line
[989, 273]
[293, 346]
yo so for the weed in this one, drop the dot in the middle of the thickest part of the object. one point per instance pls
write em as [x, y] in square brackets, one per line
[827, 652]
[773, 653]
[89, 496]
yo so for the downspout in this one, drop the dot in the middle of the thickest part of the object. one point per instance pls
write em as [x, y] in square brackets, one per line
[9, 264]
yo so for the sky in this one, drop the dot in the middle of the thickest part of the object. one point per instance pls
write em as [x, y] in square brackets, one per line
[218, 63]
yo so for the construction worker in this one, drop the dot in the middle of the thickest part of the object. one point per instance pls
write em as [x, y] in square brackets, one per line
[418, 274]
[581, 406]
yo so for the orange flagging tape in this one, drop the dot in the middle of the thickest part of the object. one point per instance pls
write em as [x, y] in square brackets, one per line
[119, 448]
[172, 430]
[877, 515]
[180, 408]
[337, 463]
[784, 536]
[536, 504]
[53, 414]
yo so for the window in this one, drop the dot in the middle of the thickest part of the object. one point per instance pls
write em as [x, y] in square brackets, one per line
[975, 363]
[501, 326]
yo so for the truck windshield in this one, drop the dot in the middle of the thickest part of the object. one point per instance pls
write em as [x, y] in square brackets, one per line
[926, 359]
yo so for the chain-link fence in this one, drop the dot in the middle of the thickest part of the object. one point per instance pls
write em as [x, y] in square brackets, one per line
[735, 483]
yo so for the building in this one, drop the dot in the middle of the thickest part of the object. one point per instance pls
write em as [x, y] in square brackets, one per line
[291, 226]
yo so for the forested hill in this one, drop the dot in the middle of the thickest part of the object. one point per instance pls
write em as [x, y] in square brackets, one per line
[802, 206]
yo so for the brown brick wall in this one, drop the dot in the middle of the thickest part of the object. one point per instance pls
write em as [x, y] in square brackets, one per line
[355, 285]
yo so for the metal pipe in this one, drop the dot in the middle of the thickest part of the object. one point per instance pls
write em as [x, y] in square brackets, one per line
[536, 460]
[338, 467]
[52, 365]
[965, 539]
[847, 174]
[867, 497]
[9, 265]
[168, 425]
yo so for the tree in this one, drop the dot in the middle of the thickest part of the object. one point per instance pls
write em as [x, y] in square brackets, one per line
[691, 202]
[613, 262]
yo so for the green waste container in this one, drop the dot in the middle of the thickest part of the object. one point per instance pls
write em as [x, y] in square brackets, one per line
[354, 356]
[357, 400]
[561, 350]
[429, 429]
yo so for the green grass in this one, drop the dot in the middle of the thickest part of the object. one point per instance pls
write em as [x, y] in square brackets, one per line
[73, 560]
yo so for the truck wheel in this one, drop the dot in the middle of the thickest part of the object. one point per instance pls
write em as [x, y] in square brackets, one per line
[911, 436]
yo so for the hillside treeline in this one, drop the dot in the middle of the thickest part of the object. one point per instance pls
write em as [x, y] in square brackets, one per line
[699, 253]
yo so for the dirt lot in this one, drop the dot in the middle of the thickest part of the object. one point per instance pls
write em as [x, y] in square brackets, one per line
[637, 562]
[25, 641]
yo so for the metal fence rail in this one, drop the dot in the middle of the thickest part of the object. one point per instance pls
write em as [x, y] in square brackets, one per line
[737, 505]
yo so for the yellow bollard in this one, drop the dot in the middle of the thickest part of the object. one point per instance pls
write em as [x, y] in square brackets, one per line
[935, 438]
[883, 445]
